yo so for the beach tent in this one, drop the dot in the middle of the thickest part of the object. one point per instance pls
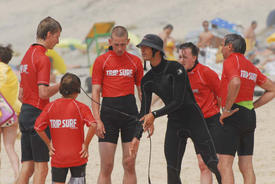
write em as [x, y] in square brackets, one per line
[98, 30]
[270, 20]
[224, 24]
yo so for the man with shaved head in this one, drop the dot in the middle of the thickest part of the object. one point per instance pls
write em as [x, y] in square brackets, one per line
[115, 74]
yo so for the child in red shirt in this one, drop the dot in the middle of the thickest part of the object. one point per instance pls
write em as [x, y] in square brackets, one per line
[66, 118]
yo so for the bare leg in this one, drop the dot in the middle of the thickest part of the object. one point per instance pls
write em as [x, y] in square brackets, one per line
[26, 172]
[206, 174]
[128, 165]
[225, 168]
[246, 168]
[9, 137]
[40, 172]
[107, 153]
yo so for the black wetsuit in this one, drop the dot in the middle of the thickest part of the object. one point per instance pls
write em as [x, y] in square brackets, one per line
[169, 81]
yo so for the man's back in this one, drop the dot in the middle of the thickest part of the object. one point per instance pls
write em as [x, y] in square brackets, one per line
[34, 71]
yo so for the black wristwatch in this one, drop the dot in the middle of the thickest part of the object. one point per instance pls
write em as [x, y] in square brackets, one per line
[154, 114]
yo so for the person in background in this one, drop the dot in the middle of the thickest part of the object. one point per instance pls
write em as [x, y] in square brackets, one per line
[9, 88]
[169, 44]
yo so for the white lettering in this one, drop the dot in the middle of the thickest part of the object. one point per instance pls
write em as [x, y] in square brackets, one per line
[248, 75]
[23, 68]
[121, 72]
[65, 123]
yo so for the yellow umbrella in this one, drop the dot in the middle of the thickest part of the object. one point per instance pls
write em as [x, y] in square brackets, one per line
[71, 43]
[271, 38]
[58, 61]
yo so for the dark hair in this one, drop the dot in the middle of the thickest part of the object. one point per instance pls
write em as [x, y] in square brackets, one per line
[70, 84]
[119, 31]
[47, 25]
[193, 47]
[5, 54]
[168, 26]
[237, 41]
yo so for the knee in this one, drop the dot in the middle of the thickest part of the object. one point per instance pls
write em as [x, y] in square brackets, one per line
[129, 164]
[41, 168]
[245, 168]
[27, 171]
[106, 168]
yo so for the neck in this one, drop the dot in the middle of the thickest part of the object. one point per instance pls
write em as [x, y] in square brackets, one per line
[42, 42]
[155, 61]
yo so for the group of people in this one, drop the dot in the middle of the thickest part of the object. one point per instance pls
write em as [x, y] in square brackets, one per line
[193, 97]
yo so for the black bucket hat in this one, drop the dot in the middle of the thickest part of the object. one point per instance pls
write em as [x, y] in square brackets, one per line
[153, 41]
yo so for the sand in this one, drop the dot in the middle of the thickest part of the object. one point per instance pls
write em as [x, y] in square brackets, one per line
[19, 20]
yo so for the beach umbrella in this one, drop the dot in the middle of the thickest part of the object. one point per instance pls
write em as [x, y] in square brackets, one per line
[72, 44]
[271, 38]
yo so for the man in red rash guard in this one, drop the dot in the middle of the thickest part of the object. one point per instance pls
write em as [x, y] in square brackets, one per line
[115, 74]
[205, 85]
[239, 78]
[68, 148]
[34, 93]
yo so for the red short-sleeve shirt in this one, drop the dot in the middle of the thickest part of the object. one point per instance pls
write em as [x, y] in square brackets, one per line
[205, 84]
[35, 70]
[236, 65]
[117, 74]
[67, 130]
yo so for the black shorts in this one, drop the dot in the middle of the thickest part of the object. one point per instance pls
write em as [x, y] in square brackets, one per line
[238, 132]
[33, 147]
[114, 122]
[215, 129]
[60, 174]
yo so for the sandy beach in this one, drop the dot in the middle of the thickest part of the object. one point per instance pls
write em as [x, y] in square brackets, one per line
[19, 20]
[264, 155]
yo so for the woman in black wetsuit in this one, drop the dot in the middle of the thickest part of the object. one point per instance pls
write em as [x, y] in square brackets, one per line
[169, 81]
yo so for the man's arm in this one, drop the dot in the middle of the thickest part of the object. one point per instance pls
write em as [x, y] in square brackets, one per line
[139, 93]
[46, 92]
[20, 96]
[269, 94]
[233, 91]
[96, 90]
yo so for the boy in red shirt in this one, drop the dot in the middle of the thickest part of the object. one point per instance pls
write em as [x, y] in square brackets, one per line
[68, 148]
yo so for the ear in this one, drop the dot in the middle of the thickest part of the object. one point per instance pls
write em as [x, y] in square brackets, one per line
[110, 41]
[48, 34]
[128, 41]
[230, 46]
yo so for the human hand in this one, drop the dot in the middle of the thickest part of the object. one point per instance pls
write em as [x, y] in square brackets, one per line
[134, 147]
[100, 130]
[226, 114]
[51, 149]
[148, 121]
[84, 153]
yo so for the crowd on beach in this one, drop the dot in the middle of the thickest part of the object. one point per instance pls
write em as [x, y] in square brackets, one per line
[215, 110]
